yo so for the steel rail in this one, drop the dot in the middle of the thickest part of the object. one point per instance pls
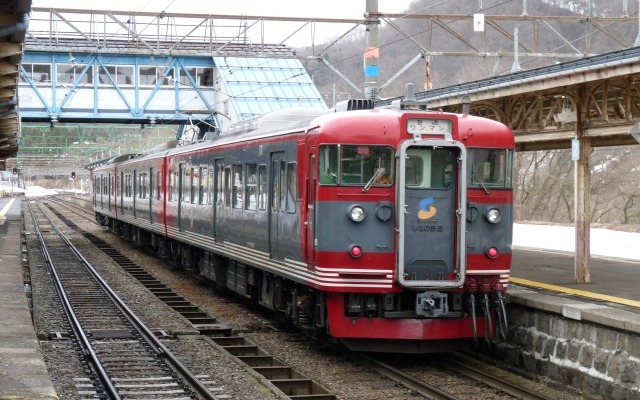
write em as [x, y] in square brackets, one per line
[103, 376]
[425, 389]
[462, 364]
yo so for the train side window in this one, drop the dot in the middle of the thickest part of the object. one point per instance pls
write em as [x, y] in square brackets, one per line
[237, 186]
[173, 185]
[210, 185]
[158, 185]
[130, 183]
[143, 177]
[283, 185]
[262, 187]
[220, 184]
[275, 171]
[227, 186]
[251, 191]
[186, 183]
[193, 189]
[292, 188]
[328, 165]
[202, 185]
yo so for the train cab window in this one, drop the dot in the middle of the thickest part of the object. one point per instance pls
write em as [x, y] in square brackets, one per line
[357, 165]
[489, 168]
[428, 168]
[262, 187]
[251, 191]
[237, 186]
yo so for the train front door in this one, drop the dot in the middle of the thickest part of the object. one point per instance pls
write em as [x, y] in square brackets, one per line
[277, 175]
[431, 223]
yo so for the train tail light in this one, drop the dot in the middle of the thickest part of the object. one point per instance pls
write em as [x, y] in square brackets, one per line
[492, 252]
[355, 251]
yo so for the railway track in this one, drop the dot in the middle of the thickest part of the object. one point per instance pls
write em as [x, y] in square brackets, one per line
[459, 364]
[291, 382]
[126, 360]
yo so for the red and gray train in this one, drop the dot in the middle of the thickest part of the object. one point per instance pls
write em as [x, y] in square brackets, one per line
[388, 229]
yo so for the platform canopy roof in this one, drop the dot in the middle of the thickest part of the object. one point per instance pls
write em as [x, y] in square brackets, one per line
[14, 20]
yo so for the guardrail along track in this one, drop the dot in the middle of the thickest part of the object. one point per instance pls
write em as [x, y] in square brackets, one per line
[127, 360]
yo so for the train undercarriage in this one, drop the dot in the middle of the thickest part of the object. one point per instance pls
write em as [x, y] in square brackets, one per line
[309, 309]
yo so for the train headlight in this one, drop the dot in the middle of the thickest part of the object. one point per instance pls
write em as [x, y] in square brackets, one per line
[356, 213]
[493, 215]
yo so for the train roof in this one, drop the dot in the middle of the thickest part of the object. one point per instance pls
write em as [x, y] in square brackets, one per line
[282, 120]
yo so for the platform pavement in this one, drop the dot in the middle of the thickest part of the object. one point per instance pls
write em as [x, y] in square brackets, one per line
[23, 373]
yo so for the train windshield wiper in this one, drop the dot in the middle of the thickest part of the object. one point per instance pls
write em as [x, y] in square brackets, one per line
[479, 181]
[375, 176]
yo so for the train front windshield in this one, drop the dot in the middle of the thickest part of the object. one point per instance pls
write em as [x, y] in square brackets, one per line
[489, 168]
[357, 165]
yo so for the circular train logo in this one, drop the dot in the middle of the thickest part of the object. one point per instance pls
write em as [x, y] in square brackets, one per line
[427, 211]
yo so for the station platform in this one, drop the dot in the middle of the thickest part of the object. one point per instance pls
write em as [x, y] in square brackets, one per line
[543, 275]
[23, 373]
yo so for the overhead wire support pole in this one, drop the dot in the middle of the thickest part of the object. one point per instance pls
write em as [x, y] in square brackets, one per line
[344, 78]
[372, 51]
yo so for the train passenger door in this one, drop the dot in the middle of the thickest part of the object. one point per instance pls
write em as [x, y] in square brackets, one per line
[277, 175]
[431, 220]
[310, 225]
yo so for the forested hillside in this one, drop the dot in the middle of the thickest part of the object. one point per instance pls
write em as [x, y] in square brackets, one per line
[543, 180]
